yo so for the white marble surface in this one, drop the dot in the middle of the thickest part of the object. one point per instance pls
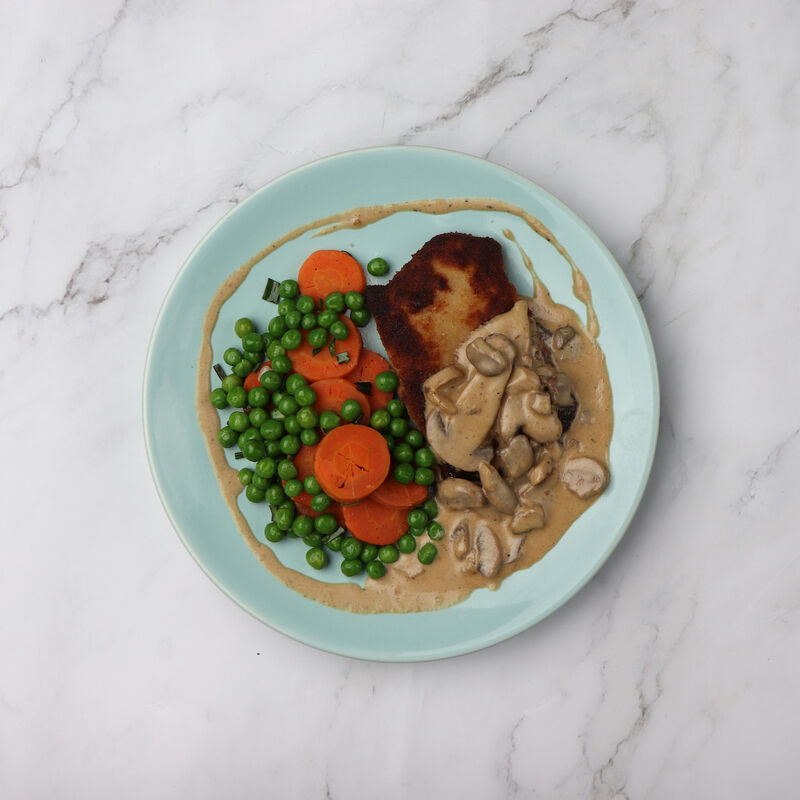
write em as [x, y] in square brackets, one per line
[128, 129]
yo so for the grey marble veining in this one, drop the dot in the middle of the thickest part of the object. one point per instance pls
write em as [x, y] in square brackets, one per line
[130, 128]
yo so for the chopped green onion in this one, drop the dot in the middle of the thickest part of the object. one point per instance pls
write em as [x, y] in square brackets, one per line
[332, 347]
[342, 358]
[365, 387]
[238, 454]
[335, 535]
[316, 351]
[220, 372]
[272, 291]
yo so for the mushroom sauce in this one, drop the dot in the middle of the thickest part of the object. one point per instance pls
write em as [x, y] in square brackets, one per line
[523, 415]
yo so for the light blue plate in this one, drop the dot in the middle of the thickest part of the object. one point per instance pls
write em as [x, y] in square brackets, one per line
[383, 175]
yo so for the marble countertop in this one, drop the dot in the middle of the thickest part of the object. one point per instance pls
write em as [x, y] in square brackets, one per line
[129, 129]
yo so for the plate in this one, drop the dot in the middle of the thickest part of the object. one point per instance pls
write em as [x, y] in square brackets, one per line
[192, 498]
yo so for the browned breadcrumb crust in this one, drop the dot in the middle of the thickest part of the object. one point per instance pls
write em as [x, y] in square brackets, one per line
[452, 284]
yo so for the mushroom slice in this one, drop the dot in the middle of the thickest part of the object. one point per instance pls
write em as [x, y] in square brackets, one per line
[540, 403]
[512, 413]
[540, 427]
[584, 477]
[516, 457]
[528, 518]
[459, 539]
[489, 555]
[485, 358]
[543, 468]
[434, 388]
[460, 494]
[562, 335]
[497, 491]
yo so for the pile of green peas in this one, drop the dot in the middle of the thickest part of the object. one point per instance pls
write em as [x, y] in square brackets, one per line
[271, 421]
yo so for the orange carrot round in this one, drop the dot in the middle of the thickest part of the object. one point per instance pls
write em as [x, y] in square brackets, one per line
[332, 392]
[351, 461]
[304, 463]
[369, 365]
[374, 523]
[394, 494]
[327, 271]
[323, 364]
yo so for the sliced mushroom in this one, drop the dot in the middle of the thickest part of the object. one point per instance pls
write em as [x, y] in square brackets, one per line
[543, 468]
[516, 457]
[528, 518]
[460, 494]
[435, 387]
[562, 335]
[459, 539]
[540, 427]
[489, 555]
[528, 495]
[584, 476]
[560, 390]
[540, 403]
[497, 491]
[512, 413]
[485, 358]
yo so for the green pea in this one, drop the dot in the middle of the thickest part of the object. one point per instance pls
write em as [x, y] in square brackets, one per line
[275, 349]
[307, 418]
[277, 327]
[368, 553]
[275, 494]
[427, 553]
[417, 518]
[318, 337]
[377, 267]
[396, 407]
[261, 483]
[243, 326]
[232, 356]
[354, 300]
[270, 380]
[335, 302]
[424, 457]
[288, 405]
[272, 430]
[294, 382]
[320, 502]
[376, 570]
[293, 320]
[386, 381]
[317, 558]
[293, 487]
[237, 397]
[266, 467]
[415, 438]
[351, 548]
[328, 420]
[282, 364]
[351, 566]
[286, 470]
[227, 436]
[290, 444]
[257, 417]
[436, 530]
[291, 340]
[309, 436]
[334, 543]
[258, 397]
[230, 382]
[430, 508]
[303, 526]
[403, 473]
[390, 440]
[274, 449]
[305, 396]
[239, 421]
[289, 288]
[291, 425]
[286, 305]
[267, 339]
[308, 322]
[380, 419]
[272, 533]
[284, 517]
[350, 410]
[244, 368]
[248, 435]
[276, 398]
[254, 494]
[339, 331]
[398, 427]
[254, 450]
[406, 543]
[403, 453]
[388, 554]
[253, 343]
[326, 318]
[424, 476]
[305, 304]
[360, 316]
[219, 398]
[311, 485]
[325, 524]
[245, 476]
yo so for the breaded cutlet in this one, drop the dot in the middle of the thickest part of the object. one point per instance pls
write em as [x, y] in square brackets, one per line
[452, 284]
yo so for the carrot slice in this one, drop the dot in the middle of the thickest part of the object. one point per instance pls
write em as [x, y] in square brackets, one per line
[334, 508]
[323, 364]
[351, 461]
[304, 463]
[327, 271]
[252, 380]
[394, 494]
[332, 392]
[374, 523]
[369, 365]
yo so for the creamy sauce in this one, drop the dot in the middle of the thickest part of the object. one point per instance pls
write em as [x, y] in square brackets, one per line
[408, 586]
